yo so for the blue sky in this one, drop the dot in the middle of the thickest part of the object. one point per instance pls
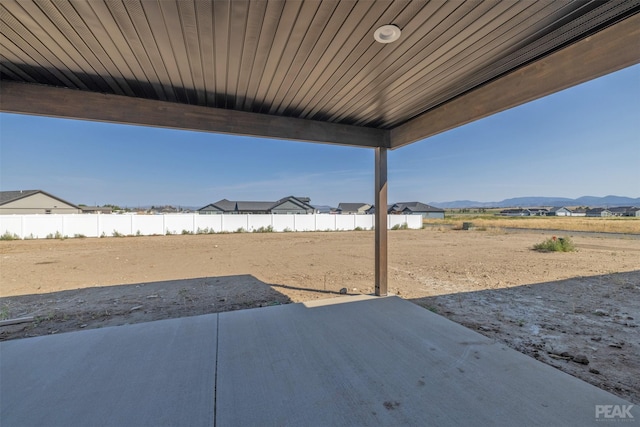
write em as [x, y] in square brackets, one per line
[582, 141]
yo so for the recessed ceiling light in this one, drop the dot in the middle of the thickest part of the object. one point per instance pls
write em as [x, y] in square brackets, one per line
[387, 34]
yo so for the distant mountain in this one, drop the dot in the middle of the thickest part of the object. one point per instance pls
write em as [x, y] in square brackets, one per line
[463, 204]
[607, 201]
[591, 201]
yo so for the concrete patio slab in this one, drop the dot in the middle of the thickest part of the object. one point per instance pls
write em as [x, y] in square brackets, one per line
[347, 361]
[149, 374]
[384, 361]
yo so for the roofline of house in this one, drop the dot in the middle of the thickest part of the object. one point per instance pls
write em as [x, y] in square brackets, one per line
[28, 193]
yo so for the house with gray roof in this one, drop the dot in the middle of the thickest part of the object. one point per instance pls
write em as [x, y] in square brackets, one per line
[286, 205]
[96, 209]
[353, 208]
[416, 208]
[412, 208]
[515, 212]
[34, 202]
[633, 212]
[598, 212]
[579, 212]
[559, 211]
[624, 211]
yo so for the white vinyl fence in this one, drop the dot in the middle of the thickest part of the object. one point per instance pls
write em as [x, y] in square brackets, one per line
[43, 226]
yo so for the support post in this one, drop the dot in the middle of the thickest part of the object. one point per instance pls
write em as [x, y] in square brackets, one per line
[381, 221]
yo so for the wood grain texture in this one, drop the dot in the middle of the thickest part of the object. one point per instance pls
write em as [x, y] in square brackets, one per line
[381, 260]
[610, 50]
[50, 101]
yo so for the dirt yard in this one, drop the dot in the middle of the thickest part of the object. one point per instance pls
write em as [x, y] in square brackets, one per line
[577, 311]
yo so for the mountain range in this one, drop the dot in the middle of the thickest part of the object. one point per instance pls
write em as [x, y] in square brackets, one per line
[590, 201]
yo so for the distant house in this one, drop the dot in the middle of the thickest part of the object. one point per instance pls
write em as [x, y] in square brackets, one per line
[353, 208]
[416, 208]
[325, 209]
[633, 212]
[412, 208]
[559, 212]
[169, 210]
[624, 211]
[525, 212]
[538, 211]
[34, 202]
[579, 212]
[564, 211]
[515, 212]
[287, 205]
[598, 212]
[96, 209]
[293, 205]
[372, 209]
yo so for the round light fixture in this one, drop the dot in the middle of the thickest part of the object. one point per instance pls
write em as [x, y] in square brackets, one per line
[387, 34]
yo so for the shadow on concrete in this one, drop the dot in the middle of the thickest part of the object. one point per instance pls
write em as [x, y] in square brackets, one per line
[318, 291]
[97, 307]
[585, 326]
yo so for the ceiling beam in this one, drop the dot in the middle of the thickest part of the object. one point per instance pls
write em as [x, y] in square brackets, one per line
[24, 98]
[609, 50]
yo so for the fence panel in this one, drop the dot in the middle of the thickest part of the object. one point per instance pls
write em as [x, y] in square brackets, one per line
[178, 224]
[256, 222]
[364, 221]
[80, 225]
[148, 225]
[414, 221]
[304, 222]
[114, 224]
[41, 226]
[345, 222]
[326, 222]
[209, 223]
[284, 222]
[11, 224]
[231, 223]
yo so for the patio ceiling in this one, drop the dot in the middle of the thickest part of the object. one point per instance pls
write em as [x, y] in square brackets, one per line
[304, 70]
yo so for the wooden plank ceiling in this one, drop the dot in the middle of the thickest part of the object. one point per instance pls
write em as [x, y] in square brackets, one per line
[310, 60]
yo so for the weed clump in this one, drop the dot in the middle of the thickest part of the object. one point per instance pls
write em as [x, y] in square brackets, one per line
[555, 244]
[9, 236]
[403, 226]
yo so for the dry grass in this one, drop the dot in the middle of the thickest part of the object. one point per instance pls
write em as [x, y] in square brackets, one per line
[603, 225]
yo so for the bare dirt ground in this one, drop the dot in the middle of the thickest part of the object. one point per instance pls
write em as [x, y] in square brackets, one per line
[577, 311]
